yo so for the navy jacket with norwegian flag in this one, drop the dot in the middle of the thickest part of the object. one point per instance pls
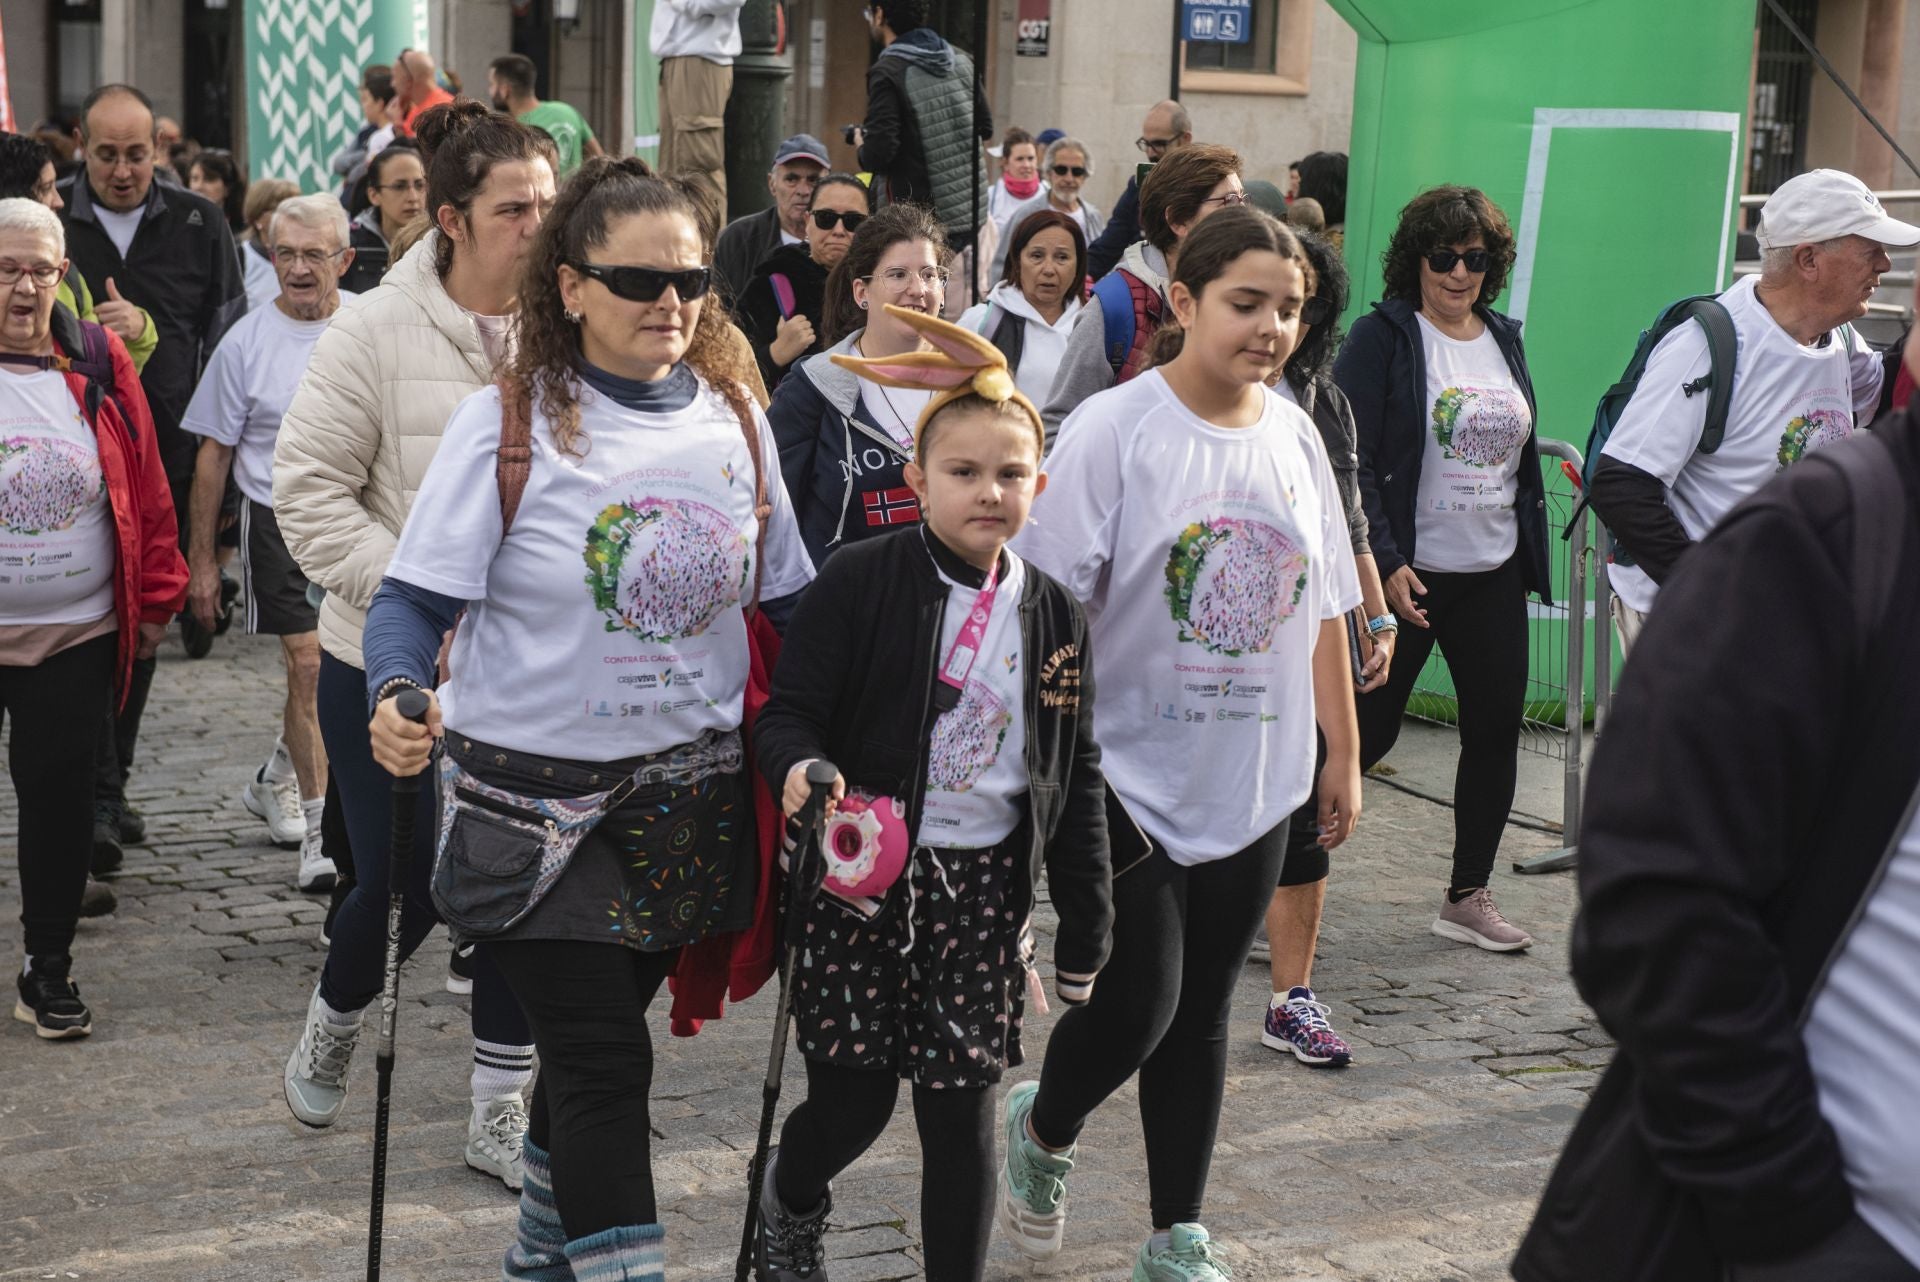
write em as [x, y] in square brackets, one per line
[845, 473]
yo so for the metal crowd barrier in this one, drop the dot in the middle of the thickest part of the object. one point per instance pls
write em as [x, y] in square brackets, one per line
[1560, 697]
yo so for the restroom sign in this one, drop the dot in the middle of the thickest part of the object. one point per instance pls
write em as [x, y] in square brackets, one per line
[1219, 21]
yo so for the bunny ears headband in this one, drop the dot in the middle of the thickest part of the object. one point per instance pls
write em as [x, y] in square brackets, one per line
[962, 363]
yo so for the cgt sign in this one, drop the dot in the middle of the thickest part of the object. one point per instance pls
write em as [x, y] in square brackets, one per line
[1036, 29]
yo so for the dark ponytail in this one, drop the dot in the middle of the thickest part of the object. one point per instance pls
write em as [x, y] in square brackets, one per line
[1205, 254]
[461, 142]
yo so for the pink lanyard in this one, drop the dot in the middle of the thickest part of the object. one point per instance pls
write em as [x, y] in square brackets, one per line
[973, 636]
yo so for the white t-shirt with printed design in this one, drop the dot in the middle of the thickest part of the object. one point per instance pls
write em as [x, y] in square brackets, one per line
[1208, 558]
[56, 528]
[607, 624]
[977, 762]
[1477, 423]
[1788, 398]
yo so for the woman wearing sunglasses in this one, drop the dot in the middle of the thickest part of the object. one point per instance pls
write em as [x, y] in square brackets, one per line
[353, 447]
[597, 816]
[1063, 175]
[780, 308]
[1450, 476]
[845, 442]
[1030, 313]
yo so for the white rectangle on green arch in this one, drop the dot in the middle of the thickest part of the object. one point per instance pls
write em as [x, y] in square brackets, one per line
[303, 65]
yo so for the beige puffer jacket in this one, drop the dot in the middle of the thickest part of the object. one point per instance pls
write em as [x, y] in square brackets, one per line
[363, 426]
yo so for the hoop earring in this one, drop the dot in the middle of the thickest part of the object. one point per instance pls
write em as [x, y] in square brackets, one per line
[863, 304]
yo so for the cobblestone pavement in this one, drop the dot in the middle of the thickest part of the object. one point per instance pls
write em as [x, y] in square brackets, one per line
[160, 1148]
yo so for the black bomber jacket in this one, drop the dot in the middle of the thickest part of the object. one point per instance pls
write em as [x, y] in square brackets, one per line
[854, 686]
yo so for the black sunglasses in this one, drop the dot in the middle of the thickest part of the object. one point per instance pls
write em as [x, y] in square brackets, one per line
[645, 284]
[1063, 170]
[1442, 260]
[1318, 311]
[828, 219]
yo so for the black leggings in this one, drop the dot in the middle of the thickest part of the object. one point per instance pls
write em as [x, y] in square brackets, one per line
[1479, 622]
[587, 1003]
[844, 1113]
[1161, 1007]
[1307, 860]
[59, 709]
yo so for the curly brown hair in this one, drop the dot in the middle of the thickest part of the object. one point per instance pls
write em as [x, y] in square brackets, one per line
[546, 361]
[1440, 217]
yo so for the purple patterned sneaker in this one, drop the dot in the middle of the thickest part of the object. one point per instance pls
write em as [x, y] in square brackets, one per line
[1298, 1023]
[1476, 920]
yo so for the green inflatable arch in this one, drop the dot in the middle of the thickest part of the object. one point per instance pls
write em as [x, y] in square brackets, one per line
[1610, 131]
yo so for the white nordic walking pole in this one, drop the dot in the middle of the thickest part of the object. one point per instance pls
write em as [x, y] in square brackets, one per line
[803, 882]
[411, 704]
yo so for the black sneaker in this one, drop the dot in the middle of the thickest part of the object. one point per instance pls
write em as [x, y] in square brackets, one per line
[197, 640]
[131, 826]
[108, 850]
[98, 899]
[50, 1002]
[229, 592]
[788, 1245]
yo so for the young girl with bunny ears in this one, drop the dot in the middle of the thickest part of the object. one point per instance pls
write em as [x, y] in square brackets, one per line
[1196, 514]
[949, 681]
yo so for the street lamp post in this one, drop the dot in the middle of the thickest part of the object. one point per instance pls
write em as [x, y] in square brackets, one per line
[757, 109]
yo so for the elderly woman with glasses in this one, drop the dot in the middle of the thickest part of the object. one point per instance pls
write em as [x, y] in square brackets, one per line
[780, 310]
[845, 442]
[1450, 475]
[84, 502]
[1063, 174]
[595, 722]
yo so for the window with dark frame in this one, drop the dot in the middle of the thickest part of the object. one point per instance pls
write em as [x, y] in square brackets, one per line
[1255, 57]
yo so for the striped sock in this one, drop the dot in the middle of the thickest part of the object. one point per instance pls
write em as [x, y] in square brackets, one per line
[631, 1253]
[539, 1252]
[499, 1069]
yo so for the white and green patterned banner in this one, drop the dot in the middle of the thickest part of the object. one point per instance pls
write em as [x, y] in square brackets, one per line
[304, 59]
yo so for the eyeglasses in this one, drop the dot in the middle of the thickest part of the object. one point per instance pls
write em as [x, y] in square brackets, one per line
[828, 219]
[313, 258]
[1442, 261]
[1061, 171]
[645, 284]
[45, 275]
[403, 184]
[1229, 199]
[898, 278]
[1318, 311]
[1153, 146]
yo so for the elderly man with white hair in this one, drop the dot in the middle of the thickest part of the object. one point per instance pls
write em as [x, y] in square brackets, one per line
[90, 572]
[1802, 379]
[1063, 175]
[236, 411]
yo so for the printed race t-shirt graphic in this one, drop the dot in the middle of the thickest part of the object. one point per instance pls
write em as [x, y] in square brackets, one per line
[967, 738]
[976, 753]
[663, 568]
[1231, 583]
[56, 525]
[1483, 426]
[46, 483]
[1811, 429]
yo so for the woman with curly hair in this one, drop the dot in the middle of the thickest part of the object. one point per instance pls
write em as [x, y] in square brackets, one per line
[597, 817]
[1450, 476]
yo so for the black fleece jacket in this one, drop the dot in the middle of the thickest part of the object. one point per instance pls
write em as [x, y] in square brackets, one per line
[854, 686]
[1756, 766]
[758, 310]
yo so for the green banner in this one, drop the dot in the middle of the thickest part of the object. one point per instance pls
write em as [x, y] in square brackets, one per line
[303, 65]
[643, 134]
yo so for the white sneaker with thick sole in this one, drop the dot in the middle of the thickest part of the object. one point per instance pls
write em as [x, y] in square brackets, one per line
[317, 873]
[494, 1138]
[279, 804]
[315, 1079]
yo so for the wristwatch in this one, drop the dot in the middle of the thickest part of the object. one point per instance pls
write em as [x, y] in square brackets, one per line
[1384, 623]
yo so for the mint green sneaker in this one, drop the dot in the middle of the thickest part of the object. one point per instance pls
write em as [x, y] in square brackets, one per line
[1188, 1257]
[1033, 1184]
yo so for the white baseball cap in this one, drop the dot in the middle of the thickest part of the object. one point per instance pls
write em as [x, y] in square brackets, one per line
[1824, 204]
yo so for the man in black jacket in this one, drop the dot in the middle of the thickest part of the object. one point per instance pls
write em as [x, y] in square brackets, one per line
[919, 141]
[1802, 379]
[799, 164]
[167, 250]
[1750, 905]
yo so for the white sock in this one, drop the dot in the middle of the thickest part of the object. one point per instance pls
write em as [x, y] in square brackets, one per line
[1159, 1240]
[279, 766]
[499, 1069]
[312, 810]
[26, 967]
[340, 1018]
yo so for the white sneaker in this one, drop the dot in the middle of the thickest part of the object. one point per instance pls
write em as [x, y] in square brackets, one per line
[494, 1139]
[315, 1079]
[317, 873]
[277, 802]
